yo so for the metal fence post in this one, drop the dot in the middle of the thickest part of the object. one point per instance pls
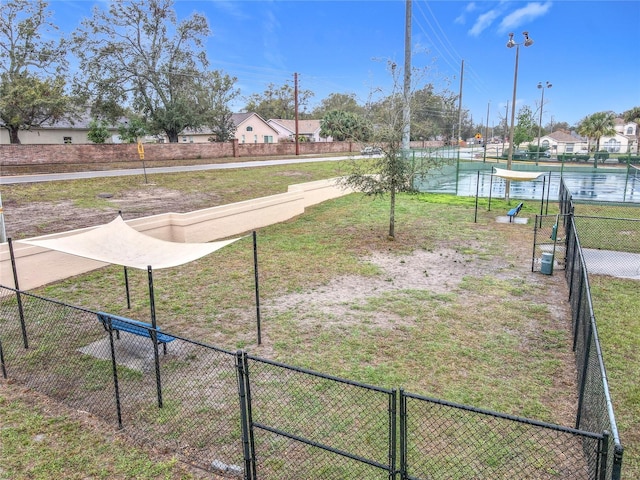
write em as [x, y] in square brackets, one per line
[403, 435]
[4, 369]
[23, 325]
[617, 462]
[154, 336]
[247, 443]
[602, 457]
[114, 366]
[393, 398]
[578, 312]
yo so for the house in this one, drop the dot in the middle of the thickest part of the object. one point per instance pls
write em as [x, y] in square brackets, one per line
[562, 142]
[62, 131]
[250, 128]
[309, 129]
[624, 141]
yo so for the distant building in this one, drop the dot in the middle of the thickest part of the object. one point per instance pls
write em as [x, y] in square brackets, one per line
[62, 131]
[309, 129]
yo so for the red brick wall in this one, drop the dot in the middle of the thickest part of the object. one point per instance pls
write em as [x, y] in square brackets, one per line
[16, 155]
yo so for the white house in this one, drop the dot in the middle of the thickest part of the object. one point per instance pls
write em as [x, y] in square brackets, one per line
[624, 141]
[62, 131]
[310, 129]
[562, 142]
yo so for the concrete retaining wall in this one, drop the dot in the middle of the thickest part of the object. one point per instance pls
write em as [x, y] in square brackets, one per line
[37, 266]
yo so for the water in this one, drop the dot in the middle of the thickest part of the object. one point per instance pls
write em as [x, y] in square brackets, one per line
[602, 187]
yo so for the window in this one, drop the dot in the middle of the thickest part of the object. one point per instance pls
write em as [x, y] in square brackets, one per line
[268, 139]
[255, 139]
[629, 130]
[249, 129]
[569, 148]
[612, 145]
[242, 138]
[545, 144]
[184, 139]
[66, 139]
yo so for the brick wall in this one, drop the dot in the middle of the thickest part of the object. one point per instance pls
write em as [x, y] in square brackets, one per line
[22, 155]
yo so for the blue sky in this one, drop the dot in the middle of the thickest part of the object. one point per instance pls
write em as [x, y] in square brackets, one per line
[586, 49]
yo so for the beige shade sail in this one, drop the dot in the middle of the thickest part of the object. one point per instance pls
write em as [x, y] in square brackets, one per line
[119, 244]
[516, 175]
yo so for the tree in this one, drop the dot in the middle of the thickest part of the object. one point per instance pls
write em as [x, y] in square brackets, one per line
[633, 115]
[557, 126]
[393, 172]
[596, 126]
[138, 55]
[132, 129]
[98, 131]
[217, 92]
[523, 131]
[277, 102]
[343, 126]
[32, 84]
[345, 102]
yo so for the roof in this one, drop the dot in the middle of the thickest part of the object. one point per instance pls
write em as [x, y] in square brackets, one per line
[561, 136]
[305, 127]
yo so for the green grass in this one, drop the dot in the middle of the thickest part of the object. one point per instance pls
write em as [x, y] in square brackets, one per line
[489, 341]
[616, 306]
[36, 444]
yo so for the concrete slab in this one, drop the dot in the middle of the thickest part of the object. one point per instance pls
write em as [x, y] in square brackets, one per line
[615, 264]
[131, 351]
[517, 220]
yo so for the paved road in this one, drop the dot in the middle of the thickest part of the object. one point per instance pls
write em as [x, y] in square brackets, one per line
[51, 177]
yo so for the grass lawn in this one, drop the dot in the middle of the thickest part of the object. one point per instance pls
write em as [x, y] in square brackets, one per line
[449, 309]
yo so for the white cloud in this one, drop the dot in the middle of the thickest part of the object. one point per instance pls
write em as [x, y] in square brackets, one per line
[522, 15]
[461, 19]
[483, 22]
[231, 8]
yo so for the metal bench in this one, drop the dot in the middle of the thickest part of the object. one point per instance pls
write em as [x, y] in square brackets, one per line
[142, 329]
[514, 212]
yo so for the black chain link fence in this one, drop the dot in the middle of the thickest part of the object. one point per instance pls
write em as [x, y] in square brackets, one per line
[330, 427]
[188, 404]
[445, 440]
[246, 417]
[596, 245]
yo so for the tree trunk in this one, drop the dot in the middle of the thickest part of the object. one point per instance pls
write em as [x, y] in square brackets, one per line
[13, 135]
[173, 136]
[392, 215]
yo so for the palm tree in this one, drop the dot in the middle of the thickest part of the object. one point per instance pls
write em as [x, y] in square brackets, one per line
[595, 126]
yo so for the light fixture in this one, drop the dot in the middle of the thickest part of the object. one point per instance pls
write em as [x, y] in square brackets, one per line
[510, 44]
[542, 87]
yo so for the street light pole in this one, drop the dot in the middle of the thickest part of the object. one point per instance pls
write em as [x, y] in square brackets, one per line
[510, 44]
[542, 87]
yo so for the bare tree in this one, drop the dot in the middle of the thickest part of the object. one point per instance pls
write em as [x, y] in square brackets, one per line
[396, 170]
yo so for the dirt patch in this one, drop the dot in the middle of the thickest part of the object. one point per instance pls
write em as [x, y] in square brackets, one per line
[439, 272]
[33, 219]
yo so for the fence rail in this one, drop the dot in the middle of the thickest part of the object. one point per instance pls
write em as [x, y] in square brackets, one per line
[248, 417]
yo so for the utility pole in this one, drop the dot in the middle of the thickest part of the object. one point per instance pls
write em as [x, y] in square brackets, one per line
[295, 94]
[406, 109]
[460, 107]
[486, 134]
